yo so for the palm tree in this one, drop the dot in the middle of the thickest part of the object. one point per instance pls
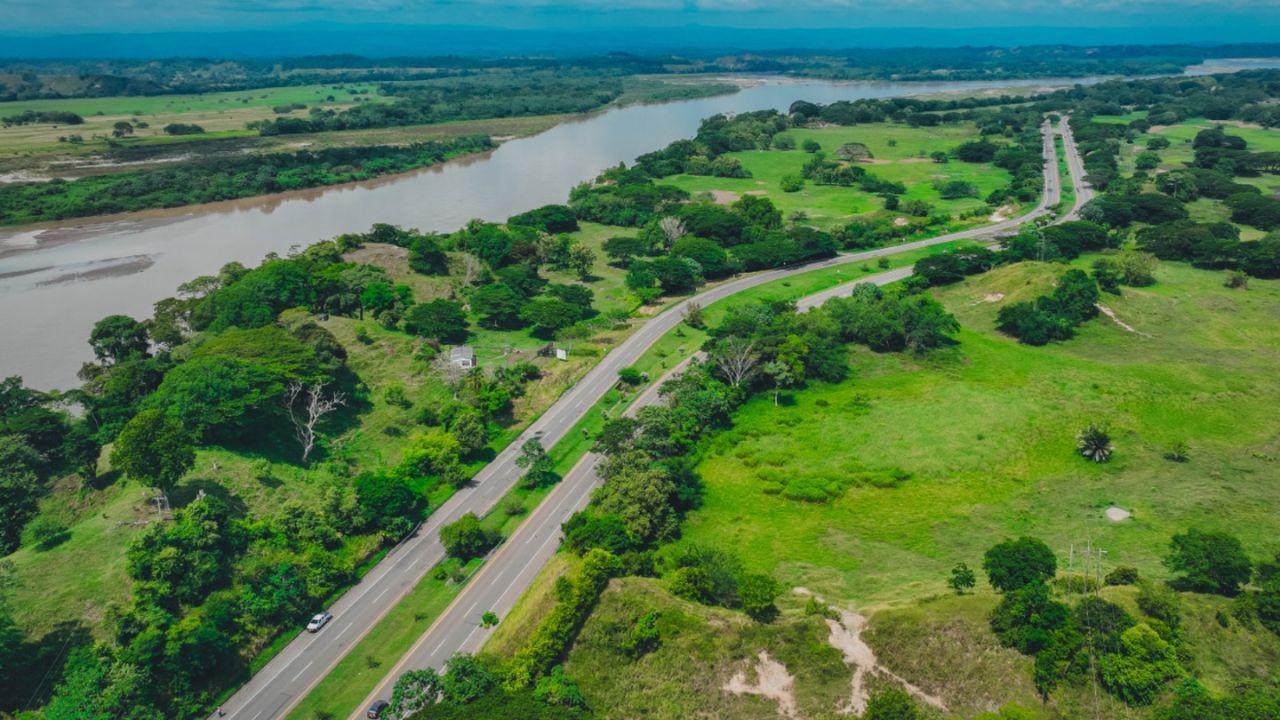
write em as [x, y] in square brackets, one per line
[1094, 443]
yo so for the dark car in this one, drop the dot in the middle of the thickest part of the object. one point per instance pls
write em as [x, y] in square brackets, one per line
[375, 710]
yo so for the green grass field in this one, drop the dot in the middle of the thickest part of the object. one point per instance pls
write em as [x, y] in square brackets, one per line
[984, 436]
[900, 153]
[221, 114]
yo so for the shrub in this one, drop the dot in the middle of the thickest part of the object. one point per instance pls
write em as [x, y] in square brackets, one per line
[892, 703]
[464, 538]
[962, 579]
[643, 638]
[1094, 443]
[811, 146]
[1123, 575]
[1160, 603]
[44, 532]
[791, 183]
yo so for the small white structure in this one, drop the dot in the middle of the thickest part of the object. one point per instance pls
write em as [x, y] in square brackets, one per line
[562, 354]
[464, 356]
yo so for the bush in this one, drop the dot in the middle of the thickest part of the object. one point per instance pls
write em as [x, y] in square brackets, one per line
[1144, 666]
[811, 146]
[631, 376]
[465, 539]
[791, 183]
[892, 703]
[1123, 575]
[44, 533]
[1094, 443]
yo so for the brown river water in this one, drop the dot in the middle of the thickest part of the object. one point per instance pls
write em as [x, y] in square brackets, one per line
[55, 283]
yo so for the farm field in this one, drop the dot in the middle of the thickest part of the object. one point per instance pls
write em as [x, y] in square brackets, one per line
[899, 152]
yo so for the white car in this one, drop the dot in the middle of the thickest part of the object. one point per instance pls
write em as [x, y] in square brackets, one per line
[319, 621]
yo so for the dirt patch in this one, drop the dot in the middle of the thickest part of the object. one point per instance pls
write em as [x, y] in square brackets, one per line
[900, 221]
[1002, 213]
[846, 636]
[993, 297]
[873, 161]
[772, 681]
[724, 197]
[915, 161]
[1115, 514]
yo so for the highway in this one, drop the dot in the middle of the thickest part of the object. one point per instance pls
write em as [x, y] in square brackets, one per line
[288, 677]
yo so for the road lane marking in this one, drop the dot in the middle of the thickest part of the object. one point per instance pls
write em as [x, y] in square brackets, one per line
[304, 669]
[384, 592]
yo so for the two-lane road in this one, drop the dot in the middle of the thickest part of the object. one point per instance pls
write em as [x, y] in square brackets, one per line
[275, 689]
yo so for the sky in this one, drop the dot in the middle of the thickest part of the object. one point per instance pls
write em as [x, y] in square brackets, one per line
[79, 16]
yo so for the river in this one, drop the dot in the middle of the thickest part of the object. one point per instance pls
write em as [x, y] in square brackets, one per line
[55, 284]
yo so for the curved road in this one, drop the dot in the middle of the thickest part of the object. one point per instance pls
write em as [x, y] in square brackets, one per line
[288, 677]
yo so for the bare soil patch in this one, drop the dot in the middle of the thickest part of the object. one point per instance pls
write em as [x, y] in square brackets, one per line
[772, 681]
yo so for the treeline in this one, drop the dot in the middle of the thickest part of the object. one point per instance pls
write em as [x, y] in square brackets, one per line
[50, 117]
[223, 179]
[492, 95]
[43, 79]
[1243, 95]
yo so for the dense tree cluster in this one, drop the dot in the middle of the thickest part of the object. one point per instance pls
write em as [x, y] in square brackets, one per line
[1053, 316]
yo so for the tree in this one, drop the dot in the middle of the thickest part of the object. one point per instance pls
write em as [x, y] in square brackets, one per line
[735, 359]
[426, 256]
[415, 690]
[977, 151]
[465, 539]
[442, 320]
[673, 229]
[116, 338]
[558, 690]
[217, 395]
[926, 323]
[582, 260]
[465, 679]
[622, 250]
[1014, 564]
[547, 315]
[19, 489]
[1146, 663]
[306, 414]
[810, 146]
[387, 503]
[1146, 161]
[538, 466]
[154, 449]
[1094, 443]
[782, 375]
[497, 305]
[757, 592]
[122, 128]
[1209, 561]
[892, 703]
[962, 579]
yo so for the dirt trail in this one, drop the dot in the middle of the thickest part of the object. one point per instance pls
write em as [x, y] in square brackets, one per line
[772, 681]
[1112, 314]
[846, 636]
